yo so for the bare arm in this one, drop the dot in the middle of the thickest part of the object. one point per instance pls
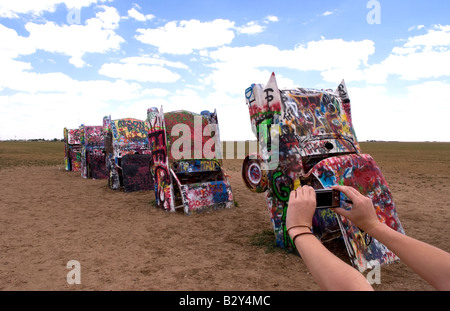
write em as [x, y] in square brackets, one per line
[429, 262]
[330, 272]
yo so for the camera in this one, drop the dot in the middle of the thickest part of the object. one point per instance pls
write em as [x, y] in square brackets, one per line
[327, 198]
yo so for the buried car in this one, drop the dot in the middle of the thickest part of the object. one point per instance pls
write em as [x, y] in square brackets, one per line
[93, 156]
[127, 154]
[72, 150]
[187, 172]
[306, 137]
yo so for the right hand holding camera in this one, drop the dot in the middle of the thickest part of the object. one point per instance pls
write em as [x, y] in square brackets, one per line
[362, 214]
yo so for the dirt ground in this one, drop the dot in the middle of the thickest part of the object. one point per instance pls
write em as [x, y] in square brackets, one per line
[49, 216]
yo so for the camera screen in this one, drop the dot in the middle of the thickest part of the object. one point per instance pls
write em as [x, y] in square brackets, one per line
[324, 198]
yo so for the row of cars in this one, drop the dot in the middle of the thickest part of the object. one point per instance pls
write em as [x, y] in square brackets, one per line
[135, 155]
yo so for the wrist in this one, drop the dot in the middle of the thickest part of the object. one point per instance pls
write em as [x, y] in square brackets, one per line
[299, 234]
[375, 228]
[298, 230]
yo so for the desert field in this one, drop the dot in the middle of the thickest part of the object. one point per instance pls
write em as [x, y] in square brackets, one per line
[49, 217]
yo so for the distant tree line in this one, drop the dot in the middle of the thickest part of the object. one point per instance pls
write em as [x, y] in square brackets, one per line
[38, 139]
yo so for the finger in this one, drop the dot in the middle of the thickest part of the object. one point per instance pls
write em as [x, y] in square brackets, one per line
[341, 211]
[312, 192]
[293, 195]
[350, 192]
[308, 189]
[356, 192]
[300, 191]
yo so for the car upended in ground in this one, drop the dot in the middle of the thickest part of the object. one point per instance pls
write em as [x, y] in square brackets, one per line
[127, 154]
[72, 150]
[306, 137]
[186, 163]
[93, 155]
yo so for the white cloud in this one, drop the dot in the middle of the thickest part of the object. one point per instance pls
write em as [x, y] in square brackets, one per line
[158, 92]
[30, 82]
[104, 91]
[133, 13]
[232, 115]
[419, 114]
[143, 69]
[56, 101]
[13, 45]
[439, 36]
[137, 72]
[186, 36]
[316, 55]
[97, 36]
[326, 13]
[11, 9]
[413, 66]
[416, 27]
[186, 99]
[251, 28]
[255, 27]
[46, 103]
[155, 60]
[233, 79]
[271, 18]
[422, 56]
[238, 66]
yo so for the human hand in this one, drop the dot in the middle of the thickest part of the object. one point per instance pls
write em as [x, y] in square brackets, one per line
[362, 214]
[302, 204]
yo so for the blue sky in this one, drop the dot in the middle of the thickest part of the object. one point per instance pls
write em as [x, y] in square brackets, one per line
[68, 62]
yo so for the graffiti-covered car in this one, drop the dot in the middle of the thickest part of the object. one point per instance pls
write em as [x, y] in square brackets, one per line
[186, 165]
[93, 156]
[72, 150]
[306, 137]
[127, 154]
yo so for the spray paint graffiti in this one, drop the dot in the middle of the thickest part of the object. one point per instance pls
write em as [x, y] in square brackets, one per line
[317, 146]
[72, 150]
[93, 156]
[159, 167]
[210, 195]
[185, 167]
[136, 172]
[128, 154]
